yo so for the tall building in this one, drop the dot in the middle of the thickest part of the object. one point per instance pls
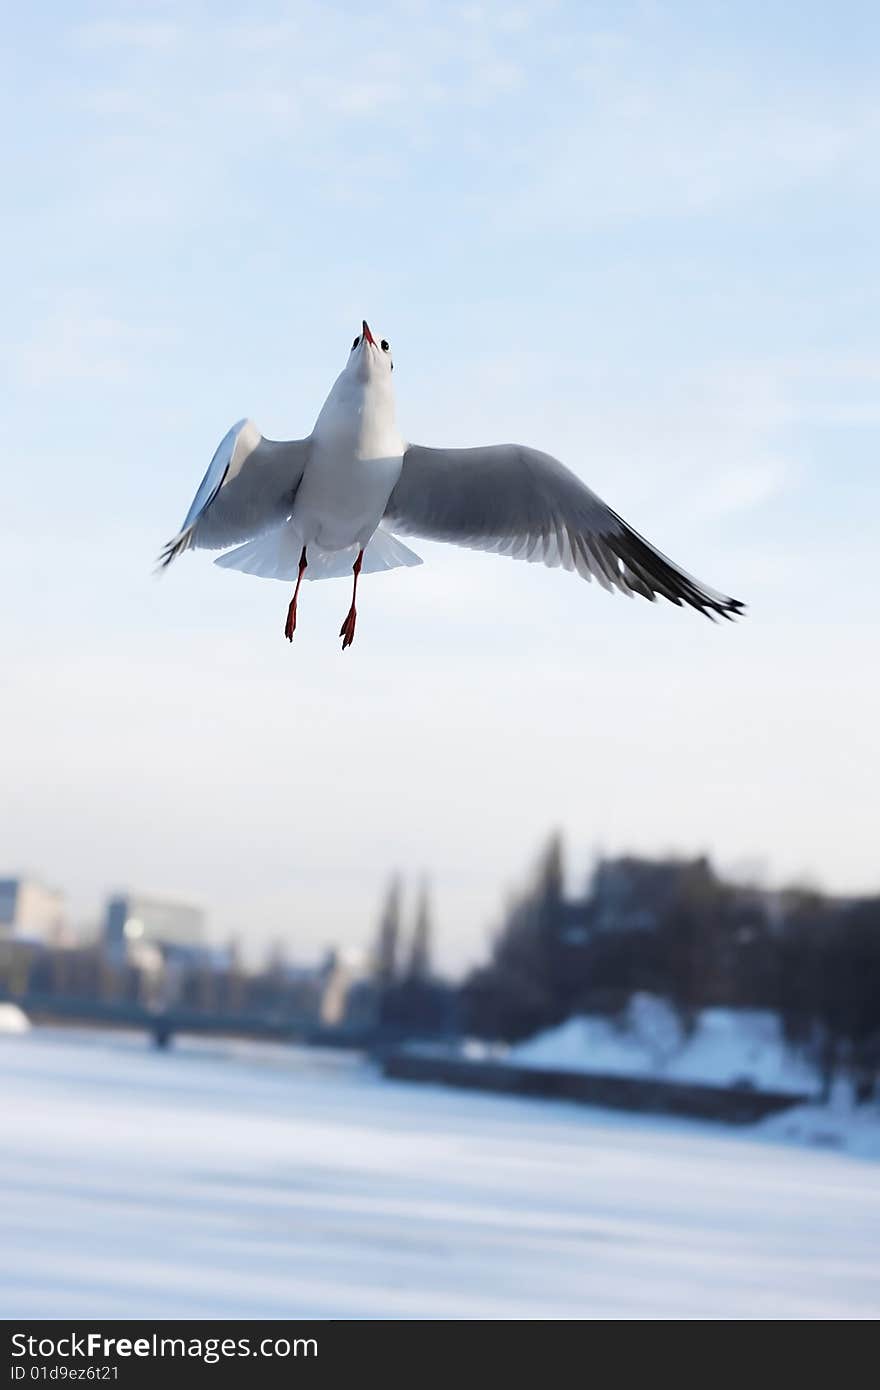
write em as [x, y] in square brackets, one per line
[30, 911]
[385, 963]
[419, 964]
[133, 917]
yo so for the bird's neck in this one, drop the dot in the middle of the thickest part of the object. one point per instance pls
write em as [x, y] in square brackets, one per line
[358, 415]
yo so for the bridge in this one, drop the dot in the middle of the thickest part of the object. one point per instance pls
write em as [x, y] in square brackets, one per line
[163, 1024]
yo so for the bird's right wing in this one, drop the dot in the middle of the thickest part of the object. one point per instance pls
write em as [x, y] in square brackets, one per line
[250, 486]
[520, 502]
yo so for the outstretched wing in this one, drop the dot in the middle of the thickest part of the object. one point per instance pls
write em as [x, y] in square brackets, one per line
[519, 502]
[249, 486]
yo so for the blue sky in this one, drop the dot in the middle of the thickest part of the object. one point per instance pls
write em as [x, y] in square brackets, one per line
[643, 237]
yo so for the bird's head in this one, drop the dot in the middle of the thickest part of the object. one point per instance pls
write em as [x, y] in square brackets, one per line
[370, 358]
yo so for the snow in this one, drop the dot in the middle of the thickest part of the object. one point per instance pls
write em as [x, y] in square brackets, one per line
[727, 1047]
[839, 1125]
[13, 1019]
[231, 1180]
[584, 1044]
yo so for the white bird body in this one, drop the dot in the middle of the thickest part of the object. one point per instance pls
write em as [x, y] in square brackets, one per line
[354, 462]
[327, 505]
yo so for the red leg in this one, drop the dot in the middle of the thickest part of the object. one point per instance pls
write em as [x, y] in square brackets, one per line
[346, 632]
[290, 625]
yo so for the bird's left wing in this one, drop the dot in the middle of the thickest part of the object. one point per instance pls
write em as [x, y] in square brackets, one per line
[250, 486]
[519, 502]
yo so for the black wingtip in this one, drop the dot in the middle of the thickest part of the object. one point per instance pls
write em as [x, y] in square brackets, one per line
[171, 551]
[730, 609]
[734, 608]
[658, 574]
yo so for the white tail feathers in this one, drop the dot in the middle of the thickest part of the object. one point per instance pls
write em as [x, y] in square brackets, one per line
[275, 555]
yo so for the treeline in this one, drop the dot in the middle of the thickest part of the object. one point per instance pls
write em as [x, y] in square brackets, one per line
[675, 928]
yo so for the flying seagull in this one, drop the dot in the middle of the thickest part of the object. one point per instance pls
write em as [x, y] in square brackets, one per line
[330, 504]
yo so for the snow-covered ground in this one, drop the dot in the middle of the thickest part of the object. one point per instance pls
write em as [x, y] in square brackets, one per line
[727, 1047]
[226, 1180]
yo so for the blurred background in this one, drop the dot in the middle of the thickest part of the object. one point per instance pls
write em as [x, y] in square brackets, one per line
[526, 960]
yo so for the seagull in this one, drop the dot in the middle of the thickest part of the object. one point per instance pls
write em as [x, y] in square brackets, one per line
[335, 502]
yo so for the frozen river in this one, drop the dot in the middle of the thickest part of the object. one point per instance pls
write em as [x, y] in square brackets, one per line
[226, 1180]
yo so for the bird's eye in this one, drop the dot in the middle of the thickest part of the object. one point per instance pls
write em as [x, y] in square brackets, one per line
[355, 343]
[384, 345]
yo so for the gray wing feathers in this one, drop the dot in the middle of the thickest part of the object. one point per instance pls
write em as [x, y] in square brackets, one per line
[249, 486]
[523, 503]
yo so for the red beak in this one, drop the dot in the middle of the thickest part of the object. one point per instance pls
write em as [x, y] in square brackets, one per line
[367, 334]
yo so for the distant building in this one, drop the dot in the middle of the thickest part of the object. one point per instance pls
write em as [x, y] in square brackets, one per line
[343, 975]
[626, 894]
[631, 893]
[30, 911]
[133, 918]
